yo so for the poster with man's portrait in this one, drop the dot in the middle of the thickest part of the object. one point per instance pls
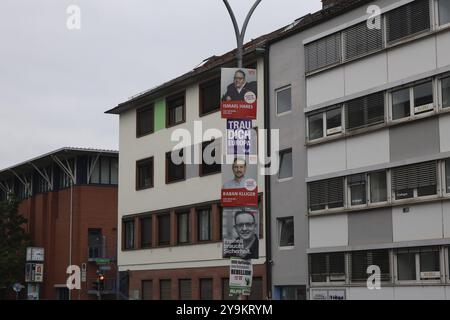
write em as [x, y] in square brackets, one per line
[240, 229]
[239, 182]
[238, 93]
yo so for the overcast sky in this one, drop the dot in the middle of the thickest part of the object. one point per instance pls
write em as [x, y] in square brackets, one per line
[56, 83]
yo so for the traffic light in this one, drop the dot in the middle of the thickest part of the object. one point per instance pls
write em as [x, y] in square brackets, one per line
[101, 282]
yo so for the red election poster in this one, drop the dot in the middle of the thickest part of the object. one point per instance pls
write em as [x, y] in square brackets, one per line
[239, 93]
[240, 187]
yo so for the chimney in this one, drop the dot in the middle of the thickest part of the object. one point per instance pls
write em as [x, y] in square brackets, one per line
[329, 3]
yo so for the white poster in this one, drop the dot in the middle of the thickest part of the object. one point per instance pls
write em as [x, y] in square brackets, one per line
[241, 275]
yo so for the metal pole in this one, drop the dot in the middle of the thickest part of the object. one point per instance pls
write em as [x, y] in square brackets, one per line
[240, 34]
[70, 230]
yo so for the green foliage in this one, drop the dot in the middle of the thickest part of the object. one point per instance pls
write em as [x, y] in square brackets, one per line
[13, 244]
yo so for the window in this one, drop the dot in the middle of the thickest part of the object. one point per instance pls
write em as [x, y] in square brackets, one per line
[283, 100]
[42, 184]
[175, 171]
[447, 174]
[315, 125]
[206, 289]
[146, 232]
[327, 267]
[360, 260]
[95, 243]
[424, 260]
[365, 111]
[104, 171]
[334, 121]
[164, 229]
[323, 52]
[326, 194]
[423, 97]
[114, 171]
[408, 20]
[175, 110]
[445, 83]
[414, 180]
[209, 97]
[357, 186]
[285, 164]
[292, 292]
[256, 292]
[144, 174]
[128, 229]
[286, 231]
[360, 40]
[401, 105]
[62, 294]
[185, 289]
[145, 120]
[165, 289]
[64, 179]
[226, 290]
[210, 158]
[444, 12]
[204, 224]
[378, 187]
[183, 227]
[147, 290]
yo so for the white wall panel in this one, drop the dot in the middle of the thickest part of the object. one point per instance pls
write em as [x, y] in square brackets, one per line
[328, 231]
[444, 132]
[325, 86]
[368, 149]
[443, 49]
[326, 158]
[362, 293]
[420, 293]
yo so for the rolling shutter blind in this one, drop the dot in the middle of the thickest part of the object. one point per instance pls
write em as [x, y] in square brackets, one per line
[360, 40]
[326, 264]
[408, 20]
[147, 290]
[206, 289]
[327, 192]
[165, 290]
[414, 176]
[365, 111]
[256, 292]
[323, 52]
[360, 260]
[185, 289]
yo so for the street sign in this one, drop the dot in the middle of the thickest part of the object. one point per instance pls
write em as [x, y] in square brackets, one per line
[102, 260]
[35, 254]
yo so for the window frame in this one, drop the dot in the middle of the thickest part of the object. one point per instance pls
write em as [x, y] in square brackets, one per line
[440, 92]
[327, 209]
[125, 246]
[151, 161]
[416, 251]
[437, 10]
[173, 98]
[139, 131]
[197, 212]
[141, 240]
[341, 279]
[201, 87]
[280, 222]
[217, 166]
[277, 91]
[368, 191]
[282, 153]
[158, 228]
[170, 180]
[340, 131]
[189, 229]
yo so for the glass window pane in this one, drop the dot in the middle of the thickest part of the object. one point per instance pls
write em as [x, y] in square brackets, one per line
[357, 185]
[164, 229]
[206, 289]
[423, 94]
[105, 171]
[406, 263]
[183, 227]
[315, 126]
[447, 173]
[129, 234]
[185, 289]
[286, 232]
[378, 188]
[285, 165]
[210, 96]
[284, 100]
[204, 225]
[429, 261]
[400, 104]
[114, 171]
[146, 232]
[446, 92]
[426, 191]
[334, 121]
[444, 12]
[95, 177]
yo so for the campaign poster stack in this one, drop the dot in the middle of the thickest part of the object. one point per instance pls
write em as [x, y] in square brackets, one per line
[239, 194]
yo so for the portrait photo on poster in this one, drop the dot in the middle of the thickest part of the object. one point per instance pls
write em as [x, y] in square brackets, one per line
[239, 93]
[240, 232]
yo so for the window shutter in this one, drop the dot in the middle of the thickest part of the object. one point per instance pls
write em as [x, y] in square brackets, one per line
[360, 260]
[206, 289]
[326, 192]
[165, 289]
[185, 289]
[414, 176]
[360, 40]
[256, 292]
[365, 111]
[408, 20]
[323, 52]
[147, 290]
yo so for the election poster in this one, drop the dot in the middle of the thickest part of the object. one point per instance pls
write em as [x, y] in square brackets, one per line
[238, 93]
[241, 137]
[240, 229]
[241, 274]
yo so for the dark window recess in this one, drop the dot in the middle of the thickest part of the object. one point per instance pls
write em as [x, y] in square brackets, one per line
[401, 104]
[423, 95]
[147, 290]
[185, 289]
[204, 224]
[256, 292]
[327, 267]
[285, 164]
[175, 171]
[406, 265]
[286, 227]
[408, 20]
[447, 174]
[206, 289]
[164, 229]
[146, 232]
[326, 194]
[422, 176]
[446, 91]
[183, 227]
[175, 110]
[334, 121]
[360, 40]
[95, 243]
[357, 185]
[210, 97]
[364, 112]
[360, 260]
[323, 52]
[315, 124]
[128, 229]
[145, 120]
[144, 172]
[284, 100]
[444, 12]
[105, 170]
[210, 158]
[165, 289]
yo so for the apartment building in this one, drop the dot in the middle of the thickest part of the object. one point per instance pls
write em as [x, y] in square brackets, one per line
[170, 218]
[69, 197]
[377, 124]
